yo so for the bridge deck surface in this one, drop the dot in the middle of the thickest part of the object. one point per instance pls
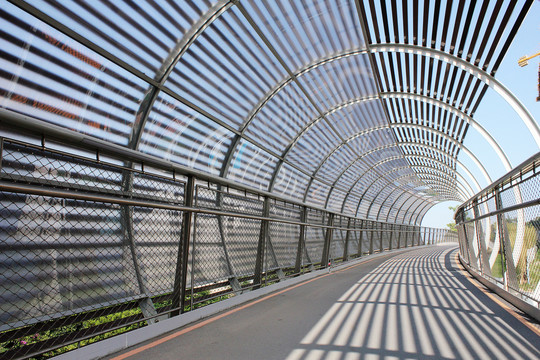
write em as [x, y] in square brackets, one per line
[416, 304]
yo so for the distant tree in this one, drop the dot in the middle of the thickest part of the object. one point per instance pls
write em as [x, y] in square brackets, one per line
[452, 225]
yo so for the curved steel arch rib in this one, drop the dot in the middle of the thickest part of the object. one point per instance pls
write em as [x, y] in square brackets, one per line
[441, 104]
[441, 163]
[464, 65]
[423, 127]
[427, 128]
[450, 189]
[443, 189]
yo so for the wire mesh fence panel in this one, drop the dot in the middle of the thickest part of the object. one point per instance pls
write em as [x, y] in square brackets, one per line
[385, 237]
[212, 260]
[505, 247]
[156, 234]
[315, 235]
[365, 239]
[62, 257]
[285, 239]
[354, 240]
[101, 256]
[24, 163]
[375, 235]
[523, 254]
[337, 244]
[242, 237]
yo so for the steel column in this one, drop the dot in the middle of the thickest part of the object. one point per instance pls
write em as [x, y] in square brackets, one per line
[510, 275]
[327, 241]
[263, 235]
[180, 279]
[301, 245]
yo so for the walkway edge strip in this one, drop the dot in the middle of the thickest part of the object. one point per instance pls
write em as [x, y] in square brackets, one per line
[517, 302]
[123, 341]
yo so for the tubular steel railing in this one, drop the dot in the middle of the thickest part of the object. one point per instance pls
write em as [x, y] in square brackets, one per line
[499, 233]
[93, 246]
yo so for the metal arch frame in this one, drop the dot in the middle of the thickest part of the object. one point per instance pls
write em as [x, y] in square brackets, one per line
[422, 213]
[313, 65]
[478, 163]
[416, 212]
[401, 206]
[404, 192]
[293, 78]
[422, 127]
[382, 127]
[170, 62]
[388, 213]
[457, 190]
[449, 194]
[384, 187]
[308, 126]
[412, 213]
[399, 209]
[127, 67]
[464, 65]
[381, 162]
[454, 110]
[416, 157]
[383, 147]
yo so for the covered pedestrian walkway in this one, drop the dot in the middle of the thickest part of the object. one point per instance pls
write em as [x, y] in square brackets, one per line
[411, 304]
[160, 159]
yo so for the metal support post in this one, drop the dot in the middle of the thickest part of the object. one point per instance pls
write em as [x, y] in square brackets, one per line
[381, 245]
[146, 304]
[272, 253]
[484, 260]
[346, 247]
[327, 241]
[391, 235]
[180, 279]
[398, 229]
[372, 231]
[406, 236]
[301, 245]
[510, 275]
[360, 234]
[472, 255]
[259, 263]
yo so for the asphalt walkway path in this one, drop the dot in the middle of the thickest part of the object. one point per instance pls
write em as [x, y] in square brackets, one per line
[412, 305]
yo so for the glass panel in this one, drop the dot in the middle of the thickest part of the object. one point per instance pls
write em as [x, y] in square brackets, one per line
[227, 70]
[142, 33]
[178, 133]
[317, 193]
[291, 182]
[313, 146]
[340, 81]
[336, 200]
[357, 116]
[303, 31]
[351, 174]
[251, 166]
[282, 118]
[49, 76]
[336, 163]
[351, 203]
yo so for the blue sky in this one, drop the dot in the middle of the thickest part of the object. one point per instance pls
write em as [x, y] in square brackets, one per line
[496, 116]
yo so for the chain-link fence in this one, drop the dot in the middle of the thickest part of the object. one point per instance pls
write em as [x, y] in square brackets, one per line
[92, 247]
[499, 232]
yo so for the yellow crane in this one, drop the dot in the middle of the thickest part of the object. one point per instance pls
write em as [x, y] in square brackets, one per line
[524, 61]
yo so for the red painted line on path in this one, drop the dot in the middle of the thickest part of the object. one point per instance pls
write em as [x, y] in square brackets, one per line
[220, 316]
